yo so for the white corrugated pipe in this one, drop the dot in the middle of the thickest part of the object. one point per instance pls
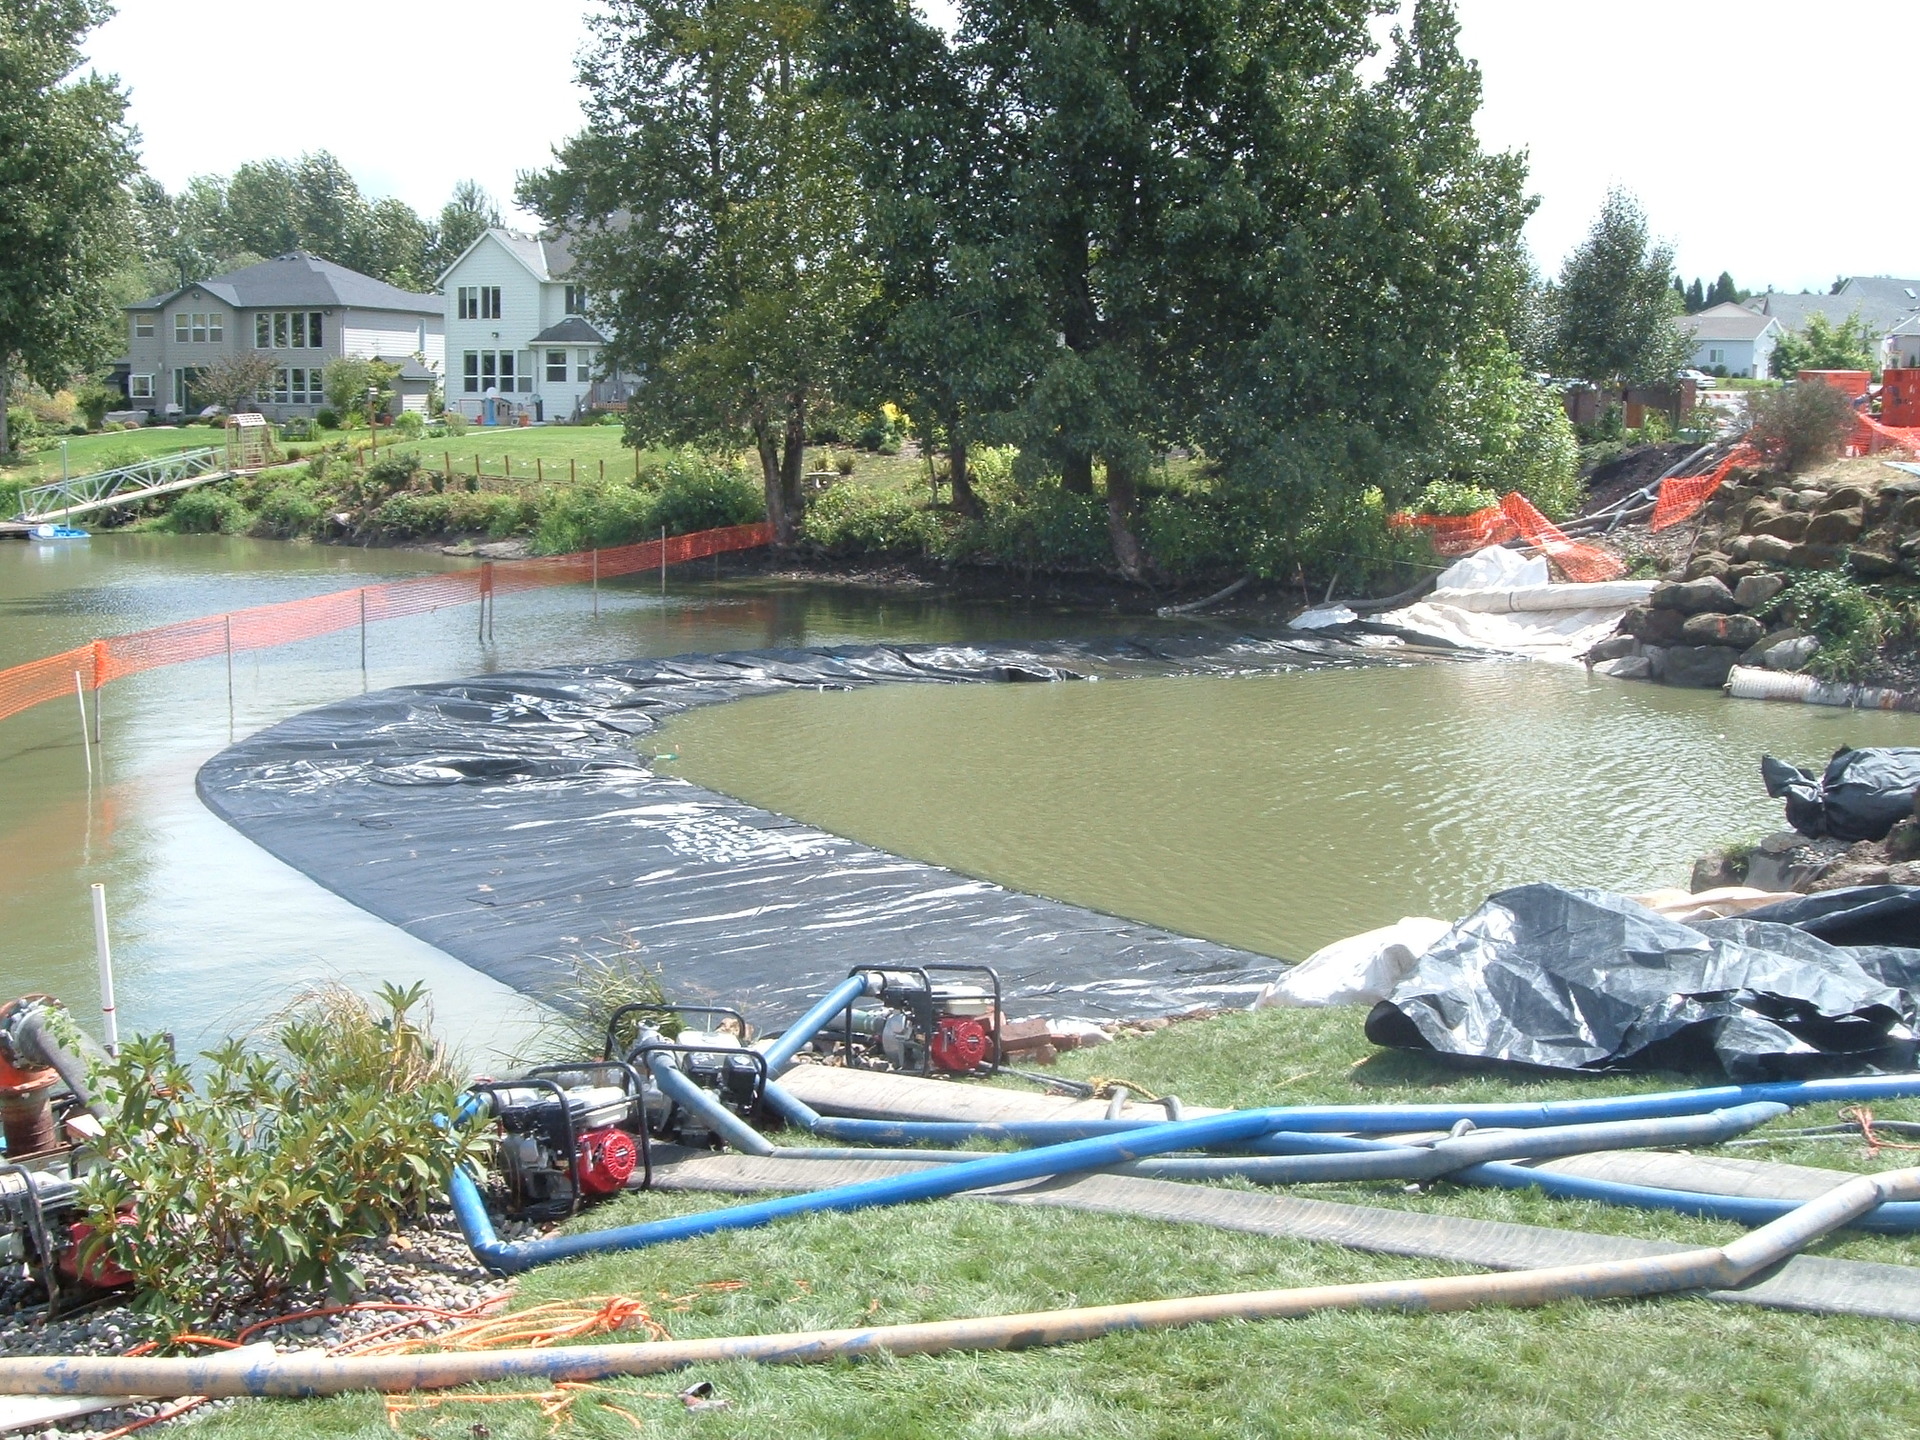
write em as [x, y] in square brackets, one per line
[1524, 599]
[1748, 682]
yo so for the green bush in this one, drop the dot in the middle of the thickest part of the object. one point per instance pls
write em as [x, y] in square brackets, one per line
[326, 419]
[591, 514]
[851, 520]
[258, 1174]
[1449, 497]
[208, 511]
[94, 402]
[286, 511]
[1799, 425]
[21, 426]
[695, 492]
[409, 424]
[391, 473]
[1851, 623]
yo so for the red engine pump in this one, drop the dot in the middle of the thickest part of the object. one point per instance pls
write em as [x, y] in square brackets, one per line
[961, 1044]
[606, 1158]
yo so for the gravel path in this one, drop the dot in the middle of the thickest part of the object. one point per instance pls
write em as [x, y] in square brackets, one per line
[426, 1263]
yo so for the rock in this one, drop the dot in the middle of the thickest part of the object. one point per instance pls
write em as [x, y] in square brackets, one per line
[1845, 497]
[1816, 557]
[1872, 564]
[1614, 647]
[1739, 548]
[502, 550]
[1756, 590]
[1707, 566]
[1693, 597]
[1790, 654]
[1787, 860]
[1658, 627]
[1627, 667]
[1903, 841]
[1767, 642]
[1807, 498]
[1710, 872]
[1835, 527]
[1787, 526]
[1739, 631]
[1908, 512]
[1656, 658]
[1758, 511]
[1769, 549]
[1698, 667]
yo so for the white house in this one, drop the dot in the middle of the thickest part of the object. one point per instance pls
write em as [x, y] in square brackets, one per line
[520, 346]
[1730, 339]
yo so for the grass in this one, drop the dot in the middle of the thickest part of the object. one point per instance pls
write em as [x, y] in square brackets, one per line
[86, 453]
[1672, 1367]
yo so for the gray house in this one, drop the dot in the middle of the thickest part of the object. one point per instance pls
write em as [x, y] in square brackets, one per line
[299, 310]
[1884, 302]
[1730, 339]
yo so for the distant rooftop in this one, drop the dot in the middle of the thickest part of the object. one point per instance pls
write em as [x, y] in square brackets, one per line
[300, 279]
[1883, 301]
[1726, 321]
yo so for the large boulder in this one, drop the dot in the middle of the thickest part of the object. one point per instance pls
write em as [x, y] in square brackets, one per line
[1613, 648]
[1770, 549]
[1710, 565]
[1693, 597]
[1766, 642]
[1834, 527]
[1810, 556]
[1845, 497]
[1788, 525]
[1790, 654]
[1656, 627]
[1698, 667]
[1756, 590]
[1871, 564]
[1739, 631]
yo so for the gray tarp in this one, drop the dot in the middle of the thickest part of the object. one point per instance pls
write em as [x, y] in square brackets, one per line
[512, 820]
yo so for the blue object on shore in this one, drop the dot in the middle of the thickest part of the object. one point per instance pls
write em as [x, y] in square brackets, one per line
[59, 532]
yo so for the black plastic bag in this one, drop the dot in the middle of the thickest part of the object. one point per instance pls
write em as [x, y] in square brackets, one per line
[1862, 796]
[1586, 980]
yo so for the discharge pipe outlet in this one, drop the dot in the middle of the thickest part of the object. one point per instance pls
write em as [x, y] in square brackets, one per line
[36, 1032]
[234, 1374]
[1091, 1154]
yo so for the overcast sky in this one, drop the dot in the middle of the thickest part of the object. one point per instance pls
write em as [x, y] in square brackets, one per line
[1760, 136]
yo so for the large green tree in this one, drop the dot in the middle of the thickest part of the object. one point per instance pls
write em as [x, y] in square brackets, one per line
[1849, 344]
[713, 212]
[467, 215]
[66, 220]
[1616, 304]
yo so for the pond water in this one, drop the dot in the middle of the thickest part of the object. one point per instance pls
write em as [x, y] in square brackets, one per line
[1274, 812]
[1278, 812]
[210, 933]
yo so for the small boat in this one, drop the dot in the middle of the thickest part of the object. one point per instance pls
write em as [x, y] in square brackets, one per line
[58, 532]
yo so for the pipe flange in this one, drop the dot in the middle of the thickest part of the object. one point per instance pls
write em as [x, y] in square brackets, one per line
[21, 1066]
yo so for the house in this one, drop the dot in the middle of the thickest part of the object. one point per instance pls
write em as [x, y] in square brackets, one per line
[521, 345]
[1884, 302]
[1903, 345]
[299, 310]
[1730, 339]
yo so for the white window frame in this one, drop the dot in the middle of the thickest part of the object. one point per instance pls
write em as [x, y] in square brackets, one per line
[469, 302]
[556, 369]
[263, 331]
[182, 327]
[217, 325]
[140, 387]
[143, 326]
[576, 300]
[583, 363]
[470, 373]
[489, 302]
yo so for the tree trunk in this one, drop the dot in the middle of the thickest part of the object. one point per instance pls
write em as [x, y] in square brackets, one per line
[1121, 499]
[768, 448]
[1076, 474]
[791, 461]
[6, 386]
[964, 500]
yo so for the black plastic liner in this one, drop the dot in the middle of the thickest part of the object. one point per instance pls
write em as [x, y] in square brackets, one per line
[1586, 980]
[1862, 795]
[512, 820]
[1859, 915]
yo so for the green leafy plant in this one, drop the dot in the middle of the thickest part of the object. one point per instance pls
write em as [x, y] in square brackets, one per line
[697, 492]
[257, 1175]
[285, 512]
[1850, 622]
[1449, 497]
[208, 511]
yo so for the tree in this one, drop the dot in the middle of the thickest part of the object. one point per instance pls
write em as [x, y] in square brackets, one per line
[66, 157]
[1501, 430]
[1724, 290]
[234, 382]
[1823, 345]
[348, 382]
[468, 215]
[1616, 310]
[711, 211]
[1696, 299]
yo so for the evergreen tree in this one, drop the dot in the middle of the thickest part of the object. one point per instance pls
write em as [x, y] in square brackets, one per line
[1697, 299]
[1616, 310]
[66, 219]
[468, 215]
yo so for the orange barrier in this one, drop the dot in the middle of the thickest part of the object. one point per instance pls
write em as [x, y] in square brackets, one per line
[1681, 496]
[264, 626]
[1516, 517]
[1870, 437]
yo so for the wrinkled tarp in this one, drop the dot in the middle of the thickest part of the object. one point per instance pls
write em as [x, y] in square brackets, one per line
[512, 820]
[1860, 915]
[1574, 979]
[1862, 795]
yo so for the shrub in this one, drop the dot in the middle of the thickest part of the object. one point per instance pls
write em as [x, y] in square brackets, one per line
[22, 426]
[409, 516]
[1799, 425]
[94, 402]
[408, 424]
[697, 492]
[843, 462]
[1041, 525]
[1448, 497]
[590, 514]
[326, 419]
[856, 520]
[257, 1175]
[1850, 623]
[208, 511]
[388, 475]
[285, 512]
[456, 422]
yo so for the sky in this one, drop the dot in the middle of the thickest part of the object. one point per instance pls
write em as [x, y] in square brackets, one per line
[1757, 136]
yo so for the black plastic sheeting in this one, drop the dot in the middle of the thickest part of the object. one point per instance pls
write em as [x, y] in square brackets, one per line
[512, 820]
[1859, 915]
[1586, 980]
[1862, 795]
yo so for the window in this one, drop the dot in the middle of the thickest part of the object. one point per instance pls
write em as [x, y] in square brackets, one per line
[140, 387]
[489, 302]
[280, 340]
[184, 379]
[143, 329]
[583, 365]
[182, 327]
[483, 370]
[470, 372]
[299, 330]
[199, 327]
[262, 331]
[293, 385]
[216, 326]
[479, 302]
[313, 330]
[469, 302]
[556, 365]
[1716, 357]
[489, 369]
[576, 299]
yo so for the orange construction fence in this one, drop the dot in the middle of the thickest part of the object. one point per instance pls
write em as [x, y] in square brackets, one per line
[264, 626]
[1681, 496]
[1515, 517]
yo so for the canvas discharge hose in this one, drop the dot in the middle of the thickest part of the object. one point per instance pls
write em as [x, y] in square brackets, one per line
[236, 1374]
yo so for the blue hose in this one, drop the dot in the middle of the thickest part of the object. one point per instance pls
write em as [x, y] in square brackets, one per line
[510, 1257]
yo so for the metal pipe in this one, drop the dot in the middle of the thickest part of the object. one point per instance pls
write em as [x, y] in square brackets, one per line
[235, 1374]
[722, 1121]
[27, 1039]
[974, 1174]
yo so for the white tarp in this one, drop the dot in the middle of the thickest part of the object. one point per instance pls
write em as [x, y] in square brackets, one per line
[1495, 600]
[1494, 568]
[1358, 970]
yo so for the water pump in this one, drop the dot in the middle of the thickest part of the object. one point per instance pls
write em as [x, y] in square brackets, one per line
[715, 1056]
[568, 1134]
[926, 1026]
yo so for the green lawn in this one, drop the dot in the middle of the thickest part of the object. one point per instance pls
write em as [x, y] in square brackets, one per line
[1672, 1367]
[88, 453]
